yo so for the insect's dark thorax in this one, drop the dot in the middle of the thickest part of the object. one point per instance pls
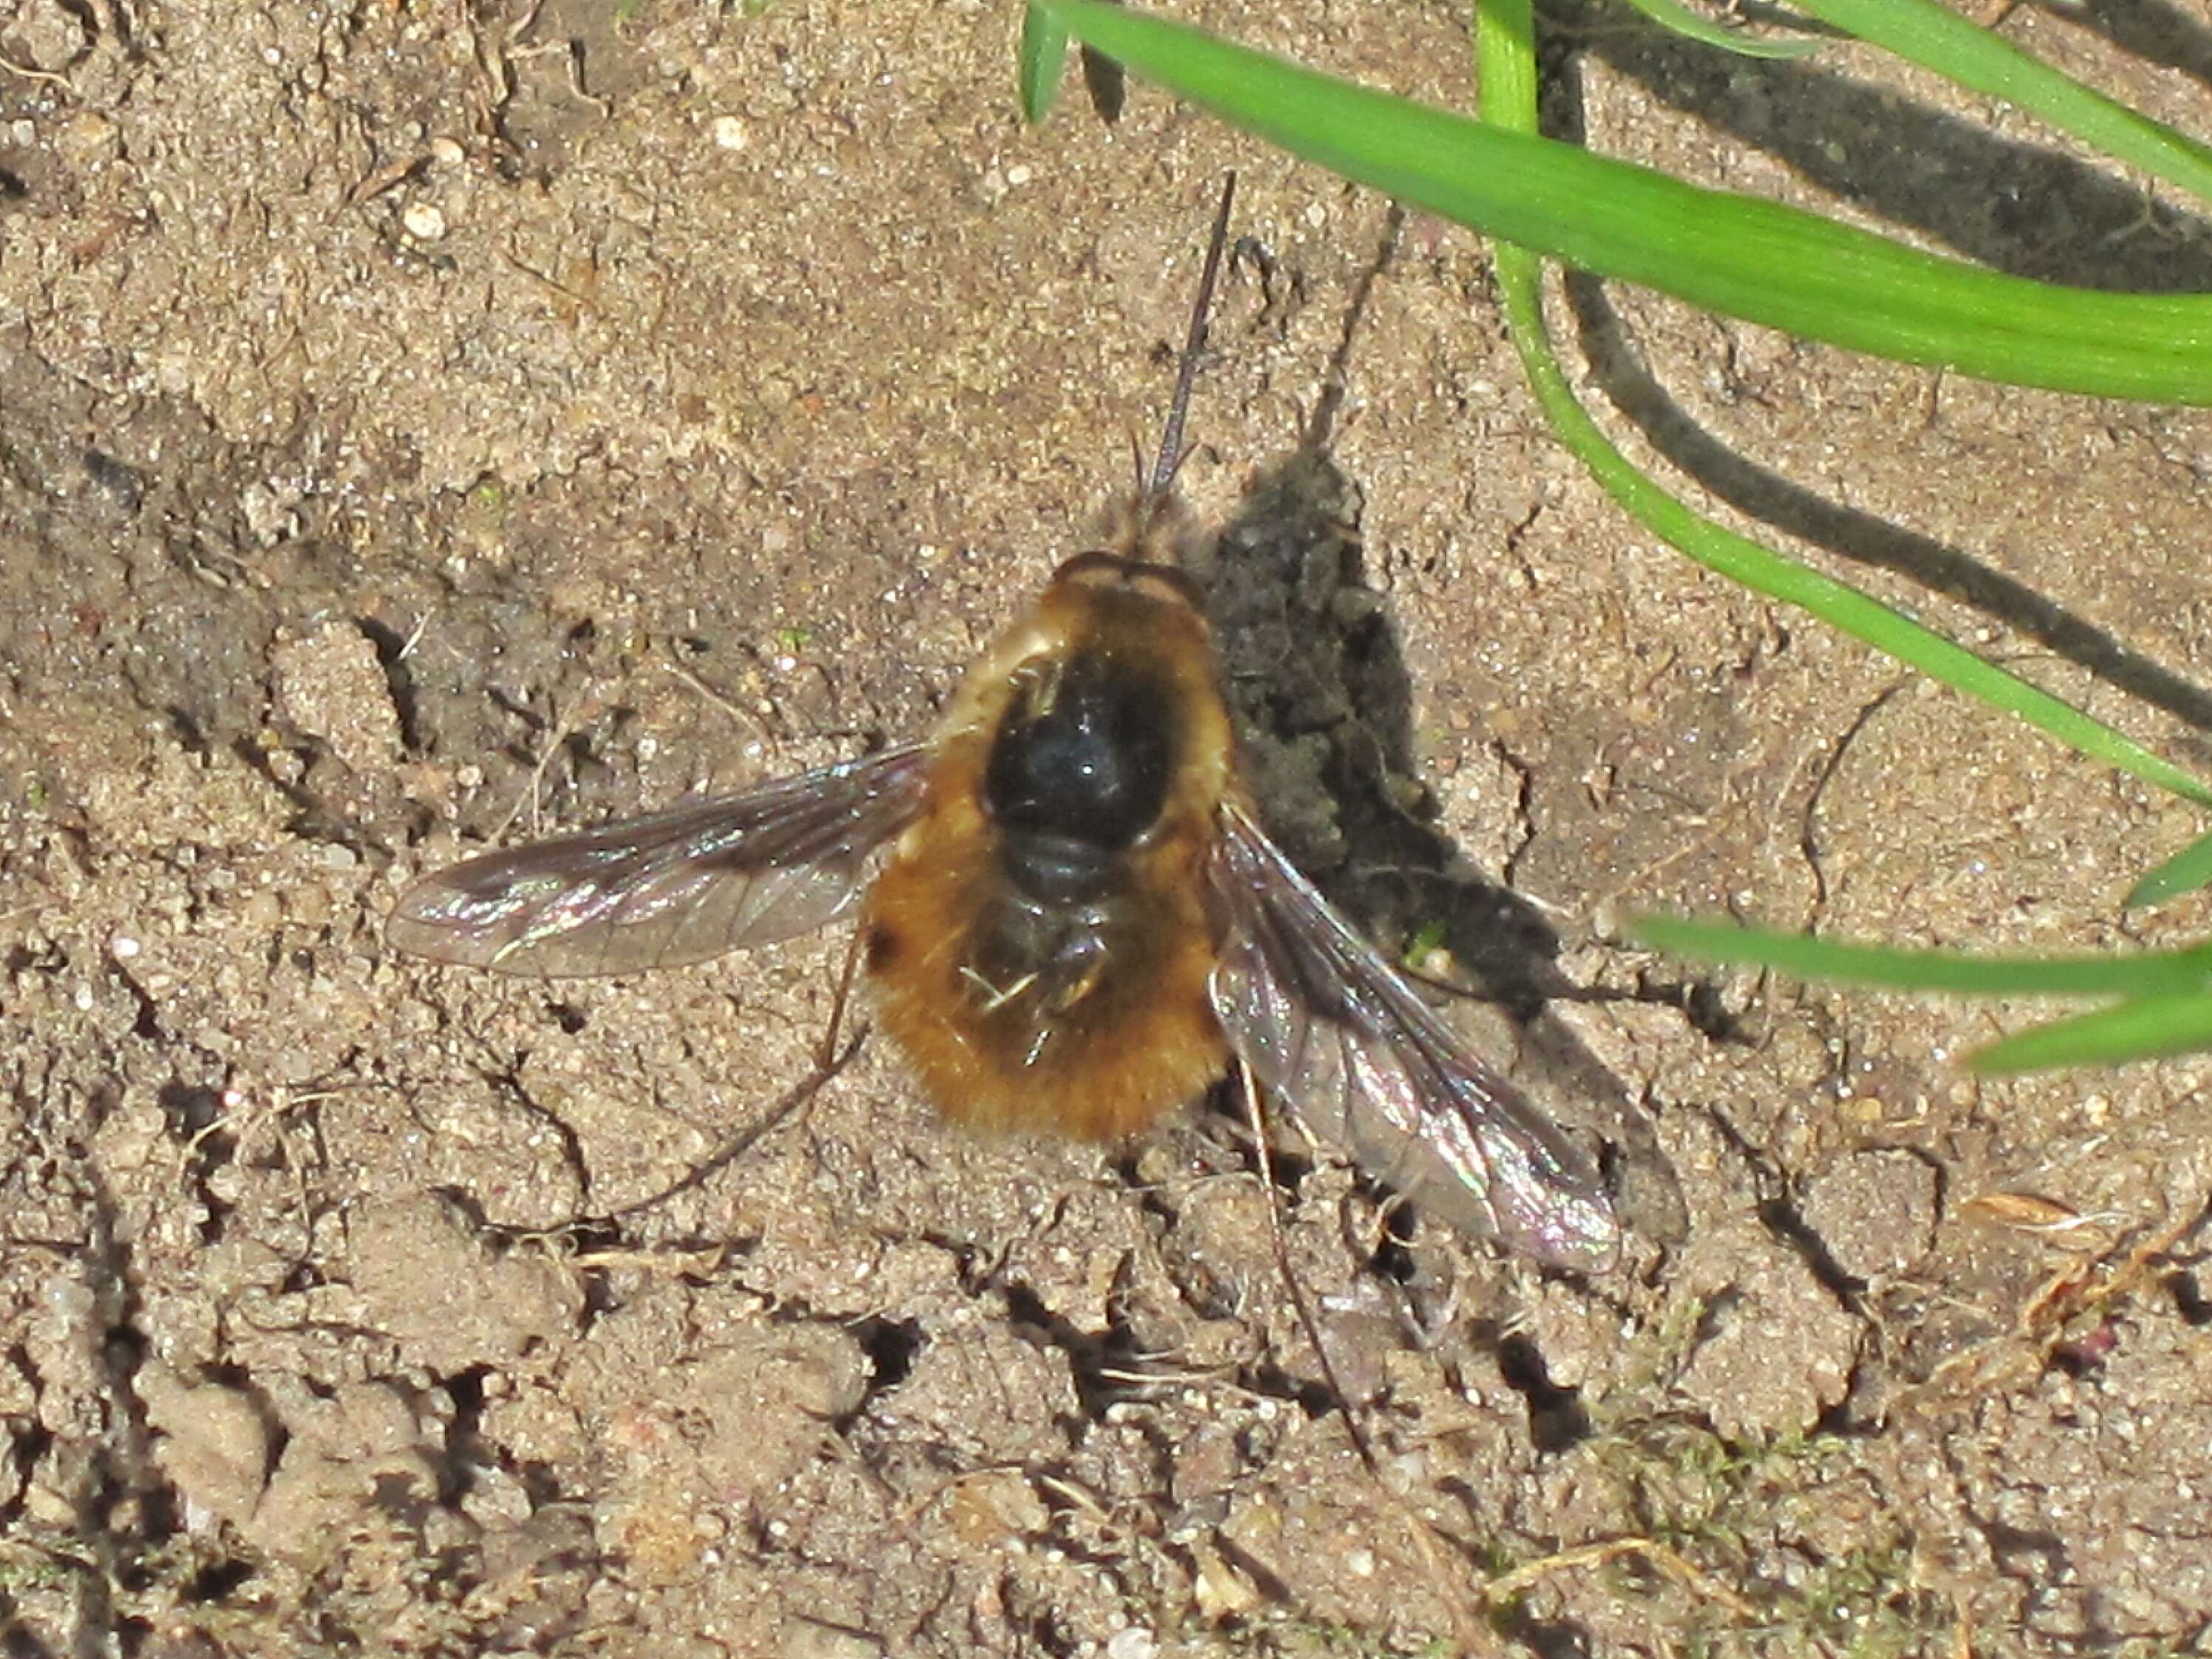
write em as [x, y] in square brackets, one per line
[1074, 783]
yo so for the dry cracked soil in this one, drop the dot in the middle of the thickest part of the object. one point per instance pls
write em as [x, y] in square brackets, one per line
[427, 421]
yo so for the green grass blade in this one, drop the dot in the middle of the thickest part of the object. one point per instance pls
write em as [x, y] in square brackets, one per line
[2148, 974]
[2185, 872]
[1924, 33]
[1044, 55]
[1508, 99]
[2171, 1012]
[2167, 1008]
[1678, 19]
[2147, 1029]
[1764, 571]
[1740, 256]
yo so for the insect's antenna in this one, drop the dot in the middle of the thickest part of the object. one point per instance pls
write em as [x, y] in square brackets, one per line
[1170, 457]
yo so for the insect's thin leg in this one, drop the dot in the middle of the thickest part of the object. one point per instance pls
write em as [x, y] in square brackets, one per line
[1275, 1236]
[828, 1048]
[829, 1060]
[1469, 1628]
[794, 1098]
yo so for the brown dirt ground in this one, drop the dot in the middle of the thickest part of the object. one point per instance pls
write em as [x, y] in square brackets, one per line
[386, 408]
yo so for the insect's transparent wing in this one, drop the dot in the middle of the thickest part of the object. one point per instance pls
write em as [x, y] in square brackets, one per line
[1331, 1030]
[678, 887]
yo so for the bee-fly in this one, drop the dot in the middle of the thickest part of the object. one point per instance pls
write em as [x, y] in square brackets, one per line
[1079, 922]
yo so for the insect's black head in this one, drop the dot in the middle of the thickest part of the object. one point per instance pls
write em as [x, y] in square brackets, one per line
[1083, 754]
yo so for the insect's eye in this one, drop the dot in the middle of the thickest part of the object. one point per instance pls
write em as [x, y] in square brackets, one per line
[1083, 754]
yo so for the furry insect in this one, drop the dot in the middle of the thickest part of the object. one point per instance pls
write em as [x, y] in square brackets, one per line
[1079, 920]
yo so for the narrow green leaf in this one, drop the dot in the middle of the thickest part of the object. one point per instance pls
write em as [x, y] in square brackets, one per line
[1044, 55]
[1678, 19]
[1510, 100]
[2144, 974]
[2185, 872]
[2172, 1012]
[2146, 1030]
[1956, 47]
[1741, 256]
[1764, 571]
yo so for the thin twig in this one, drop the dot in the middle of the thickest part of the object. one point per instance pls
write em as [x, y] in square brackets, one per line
[1661, 1556]
[30, 73]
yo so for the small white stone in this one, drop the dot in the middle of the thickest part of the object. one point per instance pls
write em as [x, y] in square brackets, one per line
[124, 947]
[728, 132]
[424, 222]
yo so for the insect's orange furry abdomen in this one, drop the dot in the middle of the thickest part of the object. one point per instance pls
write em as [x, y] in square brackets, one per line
[1143, 1042]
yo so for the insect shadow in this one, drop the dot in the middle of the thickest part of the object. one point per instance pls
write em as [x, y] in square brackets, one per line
[1316, 679]
[1316, 676]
